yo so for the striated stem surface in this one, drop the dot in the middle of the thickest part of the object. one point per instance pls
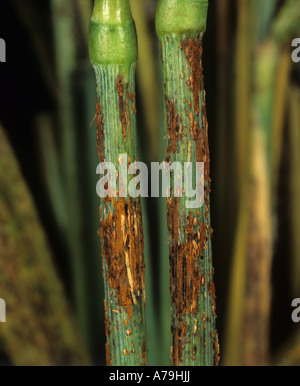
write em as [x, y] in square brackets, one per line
[180, 27]
[113, 53]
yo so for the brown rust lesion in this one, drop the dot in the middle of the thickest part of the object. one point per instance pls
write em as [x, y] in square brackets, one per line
[216, 348]
[185, 257]
[189, 236]
[123, 246]
[178, 342]
[126, 99]
[128, 121]
[193, 51]
[173, 131]
[214, 335]
[200, 136]
[131, 95]
[107, 334]
[205, 157]
[122, 109]
[212, 292]
[185, 275]
[99, 123]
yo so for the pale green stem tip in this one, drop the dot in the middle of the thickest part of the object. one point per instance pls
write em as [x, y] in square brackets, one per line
[181, 17]
[112, 38]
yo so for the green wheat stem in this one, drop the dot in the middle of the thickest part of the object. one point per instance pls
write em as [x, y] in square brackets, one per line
[180, 26]
[113, 53]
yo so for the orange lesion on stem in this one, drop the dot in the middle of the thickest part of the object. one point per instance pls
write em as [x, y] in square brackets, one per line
[123, 244]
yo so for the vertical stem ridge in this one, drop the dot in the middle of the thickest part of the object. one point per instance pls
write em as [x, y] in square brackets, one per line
[195, 340]
[113, 53]
[120, 219]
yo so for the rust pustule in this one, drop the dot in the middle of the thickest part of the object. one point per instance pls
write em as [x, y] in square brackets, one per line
[185, 276]
[203, 236]
[189, 233]
[216, 349]
[179, 337]
[131, 95]
[107, 354]
[215, 337]
[193, 51]
[206, 157]
[122, 109]
[128, 122]
[212, 292]
[173, 219]
[99, 123]
[173, 126]
[123, 248]
[200, 136]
